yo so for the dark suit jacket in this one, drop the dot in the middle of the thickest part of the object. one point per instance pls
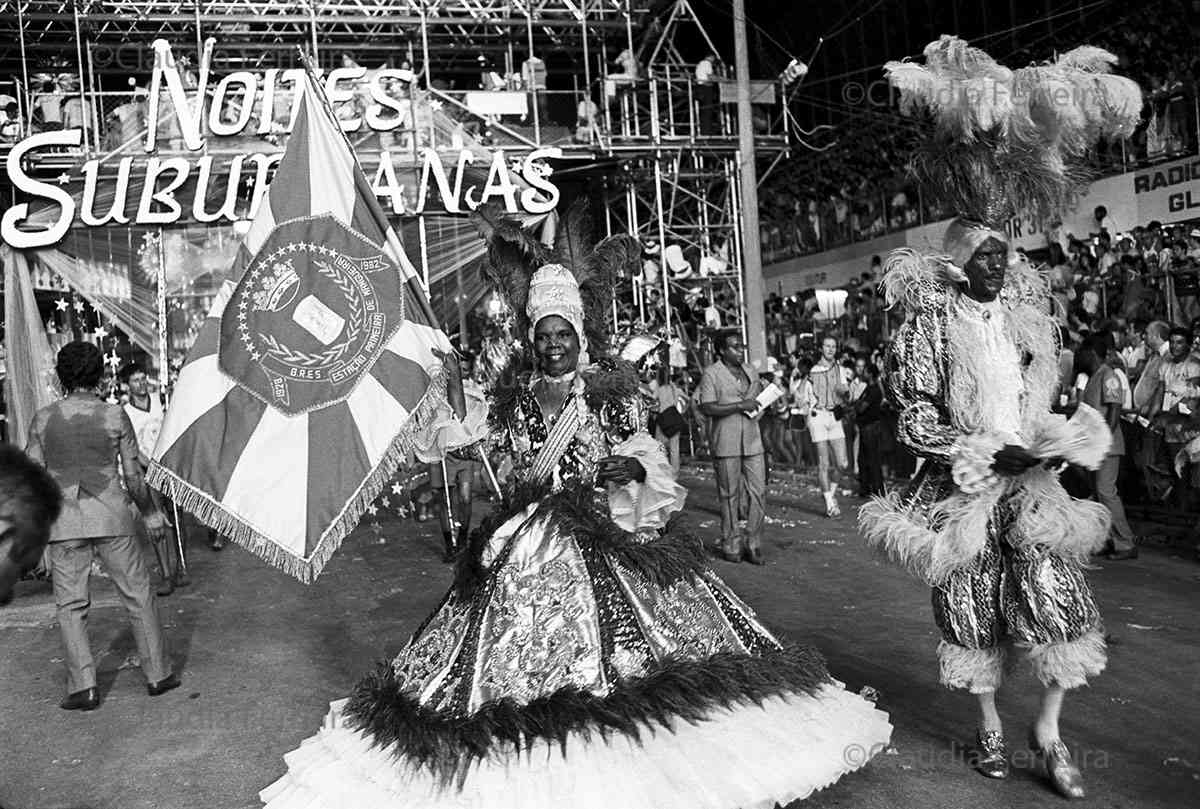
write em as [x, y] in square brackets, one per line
[88, 446]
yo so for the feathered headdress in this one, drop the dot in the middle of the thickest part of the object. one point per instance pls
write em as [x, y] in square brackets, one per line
[1009, 142]
[514, 255]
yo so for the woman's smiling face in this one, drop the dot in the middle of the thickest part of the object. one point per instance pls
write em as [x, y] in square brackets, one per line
[556, 345]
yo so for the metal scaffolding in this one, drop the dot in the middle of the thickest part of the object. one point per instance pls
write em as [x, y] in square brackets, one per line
[656, 144]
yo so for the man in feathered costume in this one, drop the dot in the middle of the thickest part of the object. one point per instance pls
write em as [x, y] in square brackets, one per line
[986, 521]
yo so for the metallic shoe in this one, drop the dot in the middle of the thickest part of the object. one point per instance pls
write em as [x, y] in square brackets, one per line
[1056, 761]
[990, 757]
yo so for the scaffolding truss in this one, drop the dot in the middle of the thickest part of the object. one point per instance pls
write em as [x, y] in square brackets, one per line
[658, 146]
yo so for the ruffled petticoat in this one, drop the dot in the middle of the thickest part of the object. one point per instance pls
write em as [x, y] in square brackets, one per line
[577, 668]
[746, 756]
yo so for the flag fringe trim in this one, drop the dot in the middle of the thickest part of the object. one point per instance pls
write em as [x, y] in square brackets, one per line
[211, 513]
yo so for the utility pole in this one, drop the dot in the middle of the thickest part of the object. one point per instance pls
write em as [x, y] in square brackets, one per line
[752, 277]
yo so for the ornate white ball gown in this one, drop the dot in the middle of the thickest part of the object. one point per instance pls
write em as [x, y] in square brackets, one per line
[586, 656]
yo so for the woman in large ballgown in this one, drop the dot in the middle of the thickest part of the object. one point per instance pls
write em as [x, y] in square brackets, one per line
[585, 656]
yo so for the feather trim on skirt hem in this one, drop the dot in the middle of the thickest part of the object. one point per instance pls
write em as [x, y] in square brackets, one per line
[742, 756]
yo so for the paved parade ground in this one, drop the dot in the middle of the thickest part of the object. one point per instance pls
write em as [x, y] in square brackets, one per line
[261, 655]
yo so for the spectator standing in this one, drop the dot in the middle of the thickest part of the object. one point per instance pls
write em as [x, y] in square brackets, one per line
[1180, 375]
[706, 93]
[1102, 222]
[452, 478]
[145, 412]
[868, 412]
[806, 453]
[1147, 401]
[669, 423]
[727, 393]
[1105, 394]
[828, 388]
[533, 75]
[77, 439]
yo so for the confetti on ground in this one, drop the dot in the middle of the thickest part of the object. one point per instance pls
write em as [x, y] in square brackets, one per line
[1144, 628]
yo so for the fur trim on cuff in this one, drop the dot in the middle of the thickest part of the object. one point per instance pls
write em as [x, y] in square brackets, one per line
[1069, 663]
[976, 670]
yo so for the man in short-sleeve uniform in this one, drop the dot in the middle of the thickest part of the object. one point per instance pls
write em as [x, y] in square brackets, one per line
[1106, 394]
[727, 391]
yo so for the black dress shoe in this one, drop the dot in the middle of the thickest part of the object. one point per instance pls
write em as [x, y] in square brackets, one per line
[86, 700]
[729, 556]
[754, 556]
[165, 588]
[163, 686]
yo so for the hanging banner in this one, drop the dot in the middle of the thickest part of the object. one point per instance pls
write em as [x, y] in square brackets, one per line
[1169, 192]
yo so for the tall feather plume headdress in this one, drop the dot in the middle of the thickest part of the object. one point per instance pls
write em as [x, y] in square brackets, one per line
[1012, 141]
[1007, 142]
[515, 255]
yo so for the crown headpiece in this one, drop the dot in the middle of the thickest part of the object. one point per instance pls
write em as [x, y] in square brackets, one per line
[276, 288]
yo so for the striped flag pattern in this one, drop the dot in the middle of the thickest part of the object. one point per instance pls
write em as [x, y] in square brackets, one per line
[313, 369]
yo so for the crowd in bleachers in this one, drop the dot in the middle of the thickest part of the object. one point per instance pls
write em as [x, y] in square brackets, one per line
[858, 189]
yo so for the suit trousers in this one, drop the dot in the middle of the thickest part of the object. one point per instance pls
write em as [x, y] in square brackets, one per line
[124, 559]
[1121, 534]
[737, 474]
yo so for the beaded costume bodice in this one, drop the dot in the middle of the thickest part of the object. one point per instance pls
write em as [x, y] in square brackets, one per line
[600, 429]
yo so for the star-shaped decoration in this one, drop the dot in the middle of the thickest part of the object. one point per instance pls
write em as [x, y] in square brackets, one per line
[435, 104]
[386, 502]
[397, 488]
[61, 304]
[64, 178]
[113, 359]
[254, 355]
[100, 332]
[79, 306]
[372, 510]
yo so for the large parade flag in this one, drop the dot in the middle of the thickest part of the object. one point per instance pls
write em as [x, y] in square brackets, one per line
[301, 394]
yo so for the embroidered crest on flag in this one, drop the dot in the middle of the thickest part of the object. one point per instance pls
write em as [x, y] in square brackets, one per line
[310, 316]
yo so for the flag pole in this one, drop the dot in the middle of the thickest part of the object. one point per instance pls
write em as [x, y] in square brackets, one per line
[374, 209]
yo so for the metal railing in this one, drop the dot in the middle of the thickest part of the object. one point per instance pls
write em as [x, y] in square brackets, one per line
[666, 109]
